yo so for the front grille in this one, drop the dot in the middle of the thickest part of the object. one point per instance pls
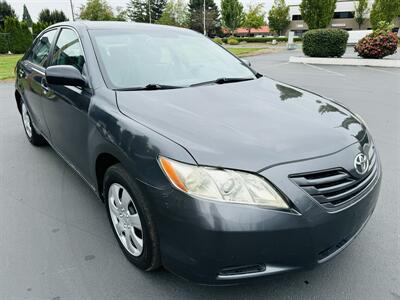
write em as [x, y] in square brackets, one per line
[336, 186]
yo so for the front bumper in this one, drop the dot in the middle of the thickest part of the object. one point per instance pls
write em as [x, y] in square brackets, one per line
[212, 242]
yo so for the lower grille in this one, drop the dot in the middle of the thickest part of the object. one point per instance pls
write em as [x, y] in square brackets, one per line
[336, 186]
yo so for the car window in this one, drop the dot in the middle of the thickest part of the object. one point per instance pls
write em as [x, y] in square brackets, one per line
[68, 51]
[40, 51]
[136, 58]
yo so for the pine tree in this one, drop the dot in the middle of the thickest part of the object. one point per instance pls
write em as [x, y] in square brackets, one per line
[26, 17]
[317, 13]
[6, 11]
[51, 17]
[196, 13]
[157, 8]
[144, 11]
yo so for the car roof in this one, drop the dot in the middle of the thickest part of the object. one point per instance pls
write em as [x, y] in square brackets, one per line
[93, 25]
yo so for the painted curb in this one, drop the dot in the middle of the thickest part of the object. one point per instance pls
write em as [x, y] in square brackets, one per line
[384, 63]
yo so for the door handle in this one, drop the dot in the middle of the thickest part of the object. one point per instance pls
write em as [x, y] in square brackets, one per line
[21, 73]
[44, 86]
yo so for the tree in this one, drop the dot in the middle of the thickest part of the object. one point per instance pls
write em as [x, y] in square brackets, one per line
[45, 16]
[96, 10]
[6, 11]
[20, 38]
[175, 14]
[317, 13]
[121, 14]
[384, 10]
[278, 17]
[145, 11]
[196, 13]
[138, 11]
[51, 17]
[26, 17]
[255, 17]
[361, 10]
[232, 14]
[38, 28]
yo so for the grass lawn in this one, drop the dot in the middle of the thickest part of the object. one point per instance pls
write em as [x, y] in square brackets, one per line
[7, 65]
[244, 51]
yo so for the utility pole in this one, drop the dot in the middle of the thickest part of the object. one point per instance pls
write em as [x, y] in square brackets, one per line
[72, 10]
[149, 11]
[204, 17]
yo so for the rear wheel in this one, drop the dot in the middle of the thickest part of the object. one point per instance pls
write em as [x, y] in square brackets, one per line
[33, 136]
[131, 219]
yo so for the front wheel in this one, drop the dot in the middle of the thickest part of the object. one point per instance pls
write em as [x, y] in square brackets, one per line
[33, 136]
[131, 219]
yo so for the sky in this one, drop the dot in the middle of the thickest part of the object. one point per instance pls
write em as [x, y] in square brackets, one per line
[35, 6]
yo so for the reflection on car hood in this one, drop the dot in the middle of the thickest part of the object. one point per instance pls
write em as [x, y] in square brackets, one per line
[248, 125]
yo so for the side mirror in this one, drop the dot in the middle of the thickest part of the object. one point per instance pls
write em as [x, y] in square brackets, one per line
[64, 75]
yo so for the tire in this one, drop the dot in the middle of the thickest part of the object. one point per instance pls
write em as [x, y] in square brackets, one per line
[119, 189]
[33, 136]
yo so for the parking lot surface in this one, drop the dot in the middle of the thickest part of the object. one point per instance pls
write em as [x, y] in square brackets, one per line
[56, 243]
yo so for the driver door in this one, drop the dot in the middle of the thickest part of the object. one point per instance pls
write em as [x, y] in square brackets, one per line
[66, 107]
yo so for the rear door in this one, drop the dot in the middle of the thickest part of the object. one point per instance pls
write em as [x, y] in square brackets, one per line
[66, 107]
[30, 74]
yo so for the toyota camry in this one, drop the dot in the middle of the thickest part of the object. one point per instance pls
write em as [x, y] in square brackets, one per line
[205, 166]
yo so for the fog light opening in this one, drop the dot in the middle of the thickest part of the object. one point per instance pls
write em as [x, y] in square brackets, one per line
[240, 270]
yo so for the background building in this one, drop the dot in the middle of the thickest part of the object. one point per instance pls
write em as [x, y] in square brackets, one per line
[343, 18]
[254, 32]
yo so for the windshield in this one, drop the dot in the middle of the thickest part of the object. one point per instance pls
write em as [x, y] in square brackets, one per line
[161, 56]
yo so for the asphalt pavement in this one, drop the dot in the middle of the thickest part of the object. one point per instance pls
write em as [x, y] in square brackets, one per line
[56, 242]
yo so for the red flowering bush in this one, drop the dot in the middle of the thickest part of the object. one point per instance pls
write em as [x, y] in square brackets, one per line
[378, 44]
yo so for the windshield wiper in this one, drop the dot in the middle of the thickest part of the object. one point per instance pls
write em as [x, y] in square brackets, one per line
[223, 80]
[151, 87]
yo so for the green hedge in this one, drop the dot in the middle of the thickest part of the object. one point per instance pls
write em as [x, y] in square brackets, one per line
[38, 28]
[267, 39]
[4, 42]
[20, 38]
[325, 42]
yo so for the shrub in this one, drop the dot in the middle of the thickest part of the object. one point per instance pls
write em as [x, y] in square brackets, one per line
[38, 28]
[4, 43]
[325, 42]
[380, 43]
[218, 40]
[232, 41]
[20, 38]
[268, 39]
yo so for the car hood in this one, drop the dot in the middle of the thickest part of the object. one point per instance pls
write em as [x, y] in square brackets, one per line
[248, 125]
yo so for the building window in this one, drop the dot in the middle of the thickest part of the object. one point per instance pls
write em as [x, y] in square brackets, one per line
[297, 18]
[343, 15]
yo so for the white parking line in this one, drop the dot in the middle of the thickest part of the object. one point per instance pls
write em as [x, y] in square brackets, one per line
[278, 64]
[384, 71]
[323, 69]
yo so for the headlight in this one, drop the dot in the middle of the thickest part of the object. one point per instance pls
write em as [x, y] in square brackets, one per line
[361, 120]
[221, 184]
